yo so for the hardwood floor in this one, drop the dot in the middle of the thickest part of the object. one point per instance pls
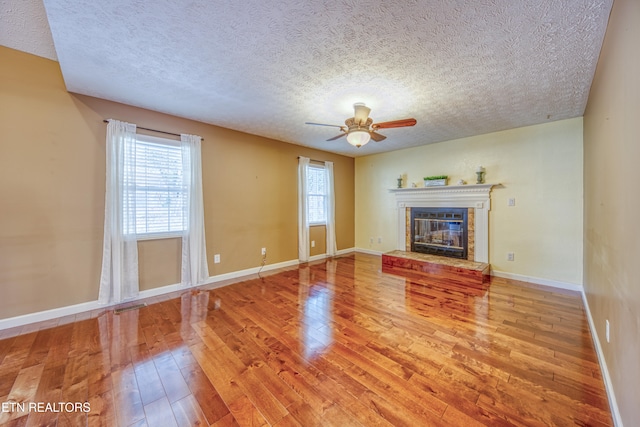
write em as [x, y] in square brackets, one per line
[333, 343]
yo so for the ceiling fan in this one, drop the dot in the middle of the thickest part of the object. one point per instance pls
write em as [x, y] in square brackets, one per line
[360, 128]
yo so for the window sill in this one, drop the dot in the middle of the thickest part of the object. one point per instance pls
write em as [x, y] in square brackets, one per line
[158, 236]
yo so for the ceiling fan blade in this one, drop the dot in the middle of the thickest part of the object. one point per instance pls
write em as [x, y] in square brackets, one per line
[323, 124]
[395, 124]
[377, 137]
[337, 137]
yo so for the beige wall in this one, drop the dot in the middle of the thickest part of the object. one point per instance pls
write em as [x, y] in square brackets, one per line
[317, 240]
[540, 166]
[52, 174]
[612, 203]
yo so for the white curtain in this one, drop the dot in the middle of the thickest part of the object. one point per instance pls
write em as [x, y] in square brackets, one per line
[330, 209]
[119, 278]
[195, 270]
[303, 218]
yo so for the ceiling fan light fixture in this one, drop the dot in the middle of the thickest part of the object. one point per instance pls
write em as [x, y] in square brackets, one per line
[358, 138]
[360, 128]
[361, 113]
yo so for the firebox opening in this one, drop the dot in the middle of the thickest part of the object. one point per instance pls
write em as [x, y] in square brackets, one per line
[439, 231]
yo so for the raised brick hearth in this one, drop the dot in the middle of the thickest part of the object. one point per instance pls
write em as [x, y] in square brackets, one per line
[458, 270]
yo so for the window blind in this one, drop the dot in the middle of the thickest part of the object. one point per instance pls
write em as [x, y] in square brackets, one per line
[159, 191]
[317, 194]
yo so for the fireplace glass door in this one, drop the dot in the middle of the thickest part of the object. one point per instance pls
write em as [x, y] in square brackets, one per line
[440, 232]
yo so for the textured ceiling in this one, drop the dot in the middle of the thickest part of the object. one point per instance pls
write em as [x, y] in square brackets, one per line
[460, 67]
[24, 26]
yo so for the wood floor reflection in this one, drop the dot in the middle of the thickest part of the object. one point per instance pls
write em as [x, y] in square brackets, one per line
[332, 343]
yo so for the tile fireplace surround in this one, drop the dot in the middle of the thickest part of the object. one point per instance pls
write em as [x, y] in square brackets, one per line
[476, 196]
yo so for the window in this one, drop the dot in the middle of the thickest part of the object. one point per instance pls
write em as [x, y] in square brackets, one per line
[158, 189]
[317, 195]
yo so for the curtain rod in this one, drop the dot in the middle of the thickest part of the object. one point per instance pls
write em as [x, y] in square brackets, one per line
[156, 130]
[314, 160]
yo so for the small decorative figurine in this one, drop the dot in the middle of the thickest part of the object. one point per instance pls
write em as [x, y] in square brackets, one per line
[400, 182]
[480, 172]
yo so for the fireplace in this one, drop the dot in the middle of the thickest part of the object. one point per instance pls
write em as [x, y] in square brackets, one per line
[439, 231]
[474, 198]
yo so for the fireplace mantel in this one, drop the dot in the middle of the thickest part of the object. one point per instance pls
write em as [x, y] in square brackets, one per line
[476, 196]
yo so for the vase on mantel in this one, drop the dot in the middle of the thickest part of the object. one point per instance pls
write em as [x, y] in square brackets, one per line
[435, 182]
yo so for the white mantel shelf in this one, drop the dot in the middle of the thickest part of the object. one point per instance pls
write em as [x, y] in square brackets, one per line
[471, 188]
[476, 196]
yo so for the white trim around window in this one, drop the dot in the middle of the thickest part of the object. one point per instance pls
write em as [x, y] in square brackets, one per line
[317, 193]
[158, 188]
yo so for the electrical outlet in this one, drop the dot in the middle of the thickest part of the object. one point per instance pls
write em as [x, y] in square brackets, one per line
[371, 240]
[511, 202]
[510, 256]
[216, 259]
[313, 243]
[607, 331]
[379, 239]
[264, 251]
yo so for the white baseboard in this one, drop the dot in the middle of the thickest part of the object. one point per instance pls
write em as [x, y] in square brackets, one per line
[369, 251]
[42, 316]
[250, 271]
[338, 253]
[608, 385]
[345, 251]
[538, 280]
[45, 315]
